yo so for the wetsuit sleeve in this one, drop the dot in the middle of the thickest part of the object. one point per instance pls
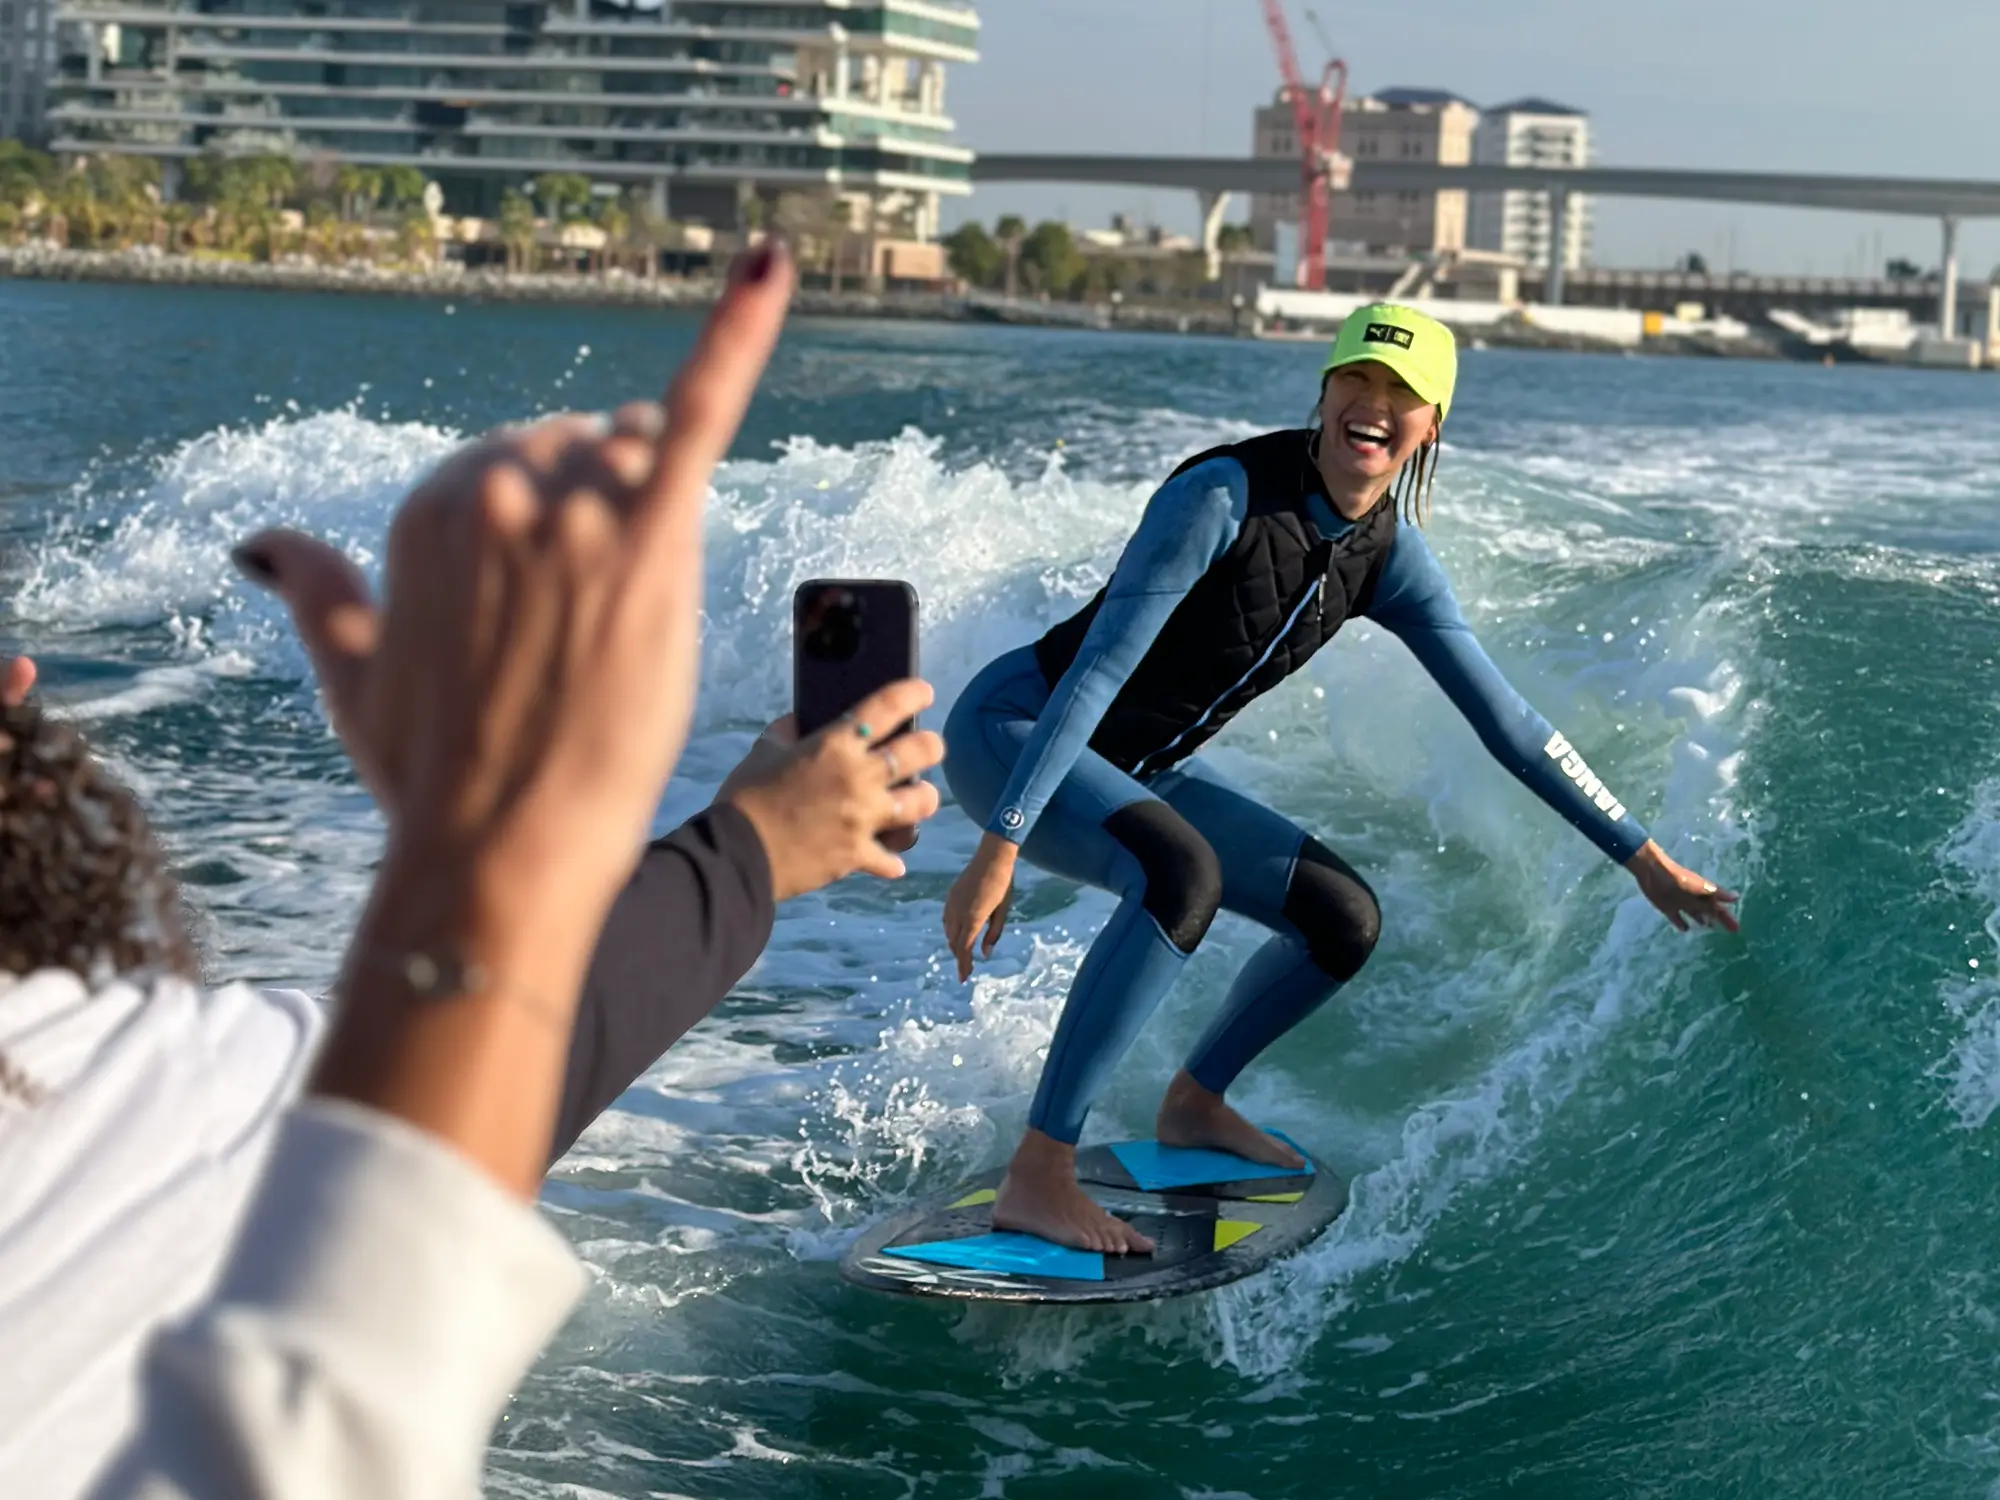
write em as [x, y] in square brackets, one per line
[1189, 523]
[689, 924]
[1414, 600]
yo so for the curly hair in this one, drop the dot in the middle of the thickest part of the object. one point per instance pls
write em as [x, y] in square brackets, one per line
[84, 884]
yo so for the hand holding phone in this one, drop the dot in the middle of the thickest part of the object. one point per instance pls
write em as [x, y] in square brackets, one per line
[850, 637]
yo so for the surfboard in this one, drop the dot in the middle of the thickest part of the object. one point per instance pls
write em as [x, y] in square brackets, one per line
[1213, 1217]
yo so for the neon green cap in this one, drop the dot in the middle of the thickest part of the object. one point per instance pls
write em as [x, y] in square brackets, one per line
[1418, 348]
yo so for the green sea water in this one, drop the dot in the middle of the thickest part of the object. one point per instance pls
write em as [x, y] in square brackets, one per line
[1635, 1213]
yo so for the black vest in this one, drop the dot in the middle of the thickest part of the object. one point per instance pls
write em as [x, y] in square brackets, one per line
[1255, 617]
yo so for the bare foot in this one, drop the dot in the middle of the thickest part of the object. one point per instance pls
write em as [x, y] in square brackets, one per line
[1191, 1116]
[1039, 1196]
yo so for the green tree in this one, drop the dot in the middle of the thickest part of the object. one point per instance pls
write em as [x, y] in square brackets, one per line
[652, 231]
[178, 222]
[26, 179]
[564, 196]
[204, 176]
[347, 190]
[360, 190]
[1050, 261]
[271, 180]
[415, 239]
[23, 172]
[322, 230]
[403, 187]
[517, 230]
[127, 197]
[973, 255]
[72, 212]
[1235, 239]
[1011, 231]
[616, 223]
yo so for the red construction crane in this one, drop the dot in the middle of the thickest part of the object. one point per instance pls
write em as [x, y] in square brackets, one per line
[1316, 121]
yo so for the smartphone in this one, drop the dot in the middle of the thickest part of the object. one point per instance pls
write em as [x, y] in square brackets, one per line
[850, 636]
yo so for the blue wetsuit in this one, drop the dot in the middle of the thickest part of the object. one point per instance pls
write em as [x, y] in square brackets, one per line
[1182, 843]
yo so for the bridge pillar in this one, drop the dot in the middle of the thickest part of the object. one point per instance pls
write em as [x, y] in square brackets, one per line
[1552, 283]
[1948, 293]
[1213, 206]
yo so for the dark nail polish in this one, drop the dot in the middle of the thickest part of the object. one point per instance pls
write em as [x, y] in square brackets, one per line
[255, 564]
[759, 263]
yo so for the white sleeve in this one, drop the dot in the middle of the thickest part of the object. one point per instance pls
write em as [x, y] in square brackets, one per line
[383, 1301]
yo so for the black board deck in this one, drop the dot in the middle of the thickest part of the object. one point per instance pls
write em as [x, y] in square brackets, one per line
[1213, 1218]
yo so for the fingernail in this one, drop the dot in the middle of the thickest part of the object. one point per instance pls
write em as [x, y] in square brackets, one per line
[255, 564]
[632, 461]
[757, 265]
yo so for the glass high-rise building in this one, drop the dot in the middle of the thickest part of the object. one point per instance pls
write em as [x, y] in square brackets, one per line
[704, 102]
[27, 57]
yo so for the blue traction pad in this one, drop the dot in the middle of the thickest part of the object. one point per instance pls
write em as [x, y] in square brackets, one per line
[1155, 1167]
[1006, 1253]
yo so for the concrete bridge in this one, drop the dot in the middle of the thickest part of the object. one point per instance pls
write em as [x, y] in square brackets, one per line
[1214, 178]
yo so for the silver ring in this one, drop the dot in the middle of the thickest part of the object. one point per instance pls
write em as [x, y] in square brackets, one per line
[1707, 890]
[889, 760]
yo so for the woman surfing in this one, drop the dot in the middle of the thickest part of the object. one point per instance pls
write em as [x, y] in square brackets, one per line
[1078, 752]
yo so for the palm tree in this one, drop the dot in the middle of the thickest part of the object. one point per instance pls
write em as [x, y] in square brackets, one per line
[347, 187]
[273, 179]
[257, 225]
[652, 230]
[1011, 231]
[564, 195]
[177, 219]
[322, 230]
[127, 196]
[25, 180]
[617, 226]
[360, 190]
[414, 236]
[403, 187]
[517, 230]
[77, 211]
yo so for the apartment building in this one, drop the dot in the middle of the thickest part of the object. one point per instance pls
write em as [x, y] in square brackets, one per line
[27, 57]
[1399, 124]
[707, 103]
[1532, 133]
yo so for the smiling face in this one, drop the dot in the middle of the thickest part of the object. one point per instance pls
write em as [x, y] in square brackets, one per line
[1373, 424]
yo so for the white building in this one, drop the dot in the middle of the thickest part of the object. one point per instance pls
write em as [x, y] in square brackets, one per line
[707, 102]
[27, 58]
[1531, 133]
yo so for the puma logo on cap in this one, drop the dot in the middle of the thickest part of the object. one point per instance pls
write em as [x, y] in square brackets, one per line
[1386, 333]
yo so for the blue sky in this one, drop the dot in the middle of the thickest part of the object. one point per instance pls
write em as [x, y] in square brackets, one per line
[1806, 85]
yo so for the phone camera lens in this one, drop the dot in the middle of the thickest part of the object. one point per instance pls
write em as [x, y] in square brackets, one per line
[833, 626]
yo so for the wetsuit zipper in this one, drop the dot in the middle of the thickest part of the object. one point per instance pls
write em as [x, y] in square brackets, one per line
[1140, 772]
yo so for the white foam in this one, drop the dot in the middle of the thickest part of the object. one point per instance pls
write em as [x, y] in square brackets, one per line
[926, 1081]
[1971, 859]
